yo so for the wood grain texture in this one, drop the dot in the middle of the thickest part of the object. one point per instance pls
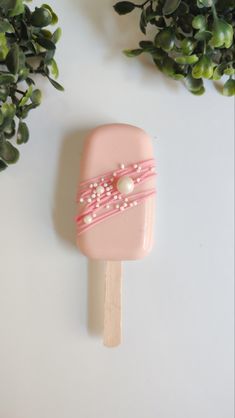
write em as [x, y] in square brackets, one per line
[112, 303]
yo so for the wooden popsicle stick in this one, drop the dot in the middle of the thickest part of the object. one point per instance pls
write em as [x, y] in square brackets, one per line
[112, 303]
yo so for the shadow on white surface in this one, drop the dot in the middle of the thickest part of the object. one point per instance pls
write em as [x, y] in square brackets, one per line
[95, 294]
[122, 32]
[64, 214]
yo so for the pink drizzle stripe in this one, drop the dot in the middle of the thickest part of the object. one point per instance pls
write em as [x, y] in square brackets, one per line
[140, 172]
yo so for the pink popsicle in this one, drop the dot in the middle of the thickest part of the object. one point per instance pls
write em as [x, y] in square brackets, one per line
[116, 205]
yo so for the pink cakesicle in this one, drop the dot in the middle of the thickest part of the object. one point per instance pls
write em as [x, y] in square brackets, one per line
[116, 206]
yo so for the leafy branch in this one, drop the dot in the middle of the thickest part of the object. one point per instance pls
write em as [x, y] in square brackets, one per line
[26, 49]
[194, 40]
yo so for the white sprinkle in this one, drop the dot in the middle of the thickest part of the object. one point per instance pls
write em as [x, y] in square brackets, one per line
[138, 180]
[114, 174]
[94, 215]
[139, 169]
[122, 166]
[117, 206]
[107, 189]
[111, 179]
[97, 205]
[119, 197]
[99, 190]
[135, 166]
[87, 219]
[93, 195]
[89, 200]
[81, 200]
[102, 179]
[95, 184]
[115, 197]
[108, 193]
[107, 206]
[105, 185]
[98, 199]
[135, 203]
[91, 185]
[125, 205]
[122, 208]
[126, 199]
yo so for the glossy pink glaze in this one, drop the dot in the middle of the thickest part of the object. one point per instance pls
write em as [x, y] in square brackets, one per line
[127, 235]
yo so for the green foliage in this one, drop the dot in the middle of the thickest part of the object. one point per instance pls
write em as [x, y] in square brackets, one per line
[194, 39]
[27, 48]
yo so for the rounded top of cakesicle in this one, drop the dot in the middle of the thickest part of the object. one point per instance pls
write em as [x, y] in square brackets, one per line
[116, 194]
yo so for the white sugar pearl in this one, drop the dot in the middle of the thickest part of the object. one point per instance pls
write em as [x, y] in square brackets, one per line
[125, 205]
[95, 185]
[135, 203]
[105, 185]
[107, 206]
[115, 197]
[94, 215]
[81, 200]
[122, 166]
[91, 185]
[125, 185]
[97, 205]
[93, 195]
[114, 174]
[119, 197]
[117, 206]
[138, 180]
[135, 166]
[102, 179]
[99, 190]
[108, 193]
[89, 200]
[87, 219]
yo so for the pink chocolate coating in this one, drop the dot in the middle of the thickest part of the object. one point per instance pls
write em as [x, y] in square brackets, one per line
[127, 235]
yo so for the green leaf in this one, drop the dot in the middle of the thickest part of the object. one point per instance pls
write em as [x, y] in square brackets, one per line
[229, 88]
[7, 79]
[22, 133]
[56, 35]
[46, 43]
[165, 39]
[199, 22]
[8, 153]
[26, 96]
[12, 59]
[8, 110]
[3, 47]
[36, 97]
[56, 84]
[54, 68]
[54, 20]
[6, 26]
[3, 165]
[187, 59]
[41, 17]
[124, 7]
[170, 6]
[203, 35]
[133, 52]
[18, 9]
[192, 84]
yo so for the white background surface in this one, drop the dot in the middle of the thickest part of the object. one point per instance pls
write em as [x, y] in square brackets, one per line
[176, 356]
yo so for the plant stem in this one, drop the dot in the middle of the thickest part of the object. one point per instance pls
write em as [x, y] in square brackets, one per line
[141, 6]
[214, 11]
